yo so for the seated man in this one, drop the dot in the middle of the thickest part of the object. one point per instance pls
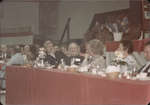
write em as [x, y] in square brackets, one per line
[146, 67]
[17, 58]
[4, 52]
[53, 56]
[74, 56]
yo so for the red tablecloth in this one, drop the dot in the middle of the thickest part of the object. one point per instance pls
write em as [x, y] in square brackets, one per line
[27, 86]
[138, 45]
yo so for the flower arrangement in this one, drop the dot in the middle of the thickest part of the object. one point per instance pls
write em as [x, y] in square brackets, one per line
[118, 64]
[117, 28]
[119, 59]
[121, 25]
[40, 59]
[42, 53]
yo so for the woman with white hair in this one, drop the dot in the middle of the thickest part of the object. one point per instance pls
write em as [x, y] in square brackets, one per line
[94, 55]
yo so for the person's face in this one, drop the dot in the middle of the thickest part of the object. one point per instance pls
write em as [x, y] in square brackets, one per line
[4, 48]
[11, 50]
[147, 52]
[49, 48]
[120, 48]
[64, 50]
[73, 49]
[123, 50]
[27, 48]
[56, 48]
[89, 50]
[48, 43]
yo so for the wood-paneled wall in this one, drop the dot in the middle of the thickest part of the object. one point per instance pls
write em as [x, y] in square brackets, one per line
[134, 15]
[48, 20]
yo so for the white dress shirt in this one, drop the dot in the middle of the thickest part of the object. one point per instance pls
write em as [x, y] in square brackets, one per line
[16, 59]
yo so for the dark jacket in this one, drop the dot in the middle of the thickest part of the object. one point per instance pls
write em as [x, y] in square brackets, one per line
[55, 60]
[77, 60]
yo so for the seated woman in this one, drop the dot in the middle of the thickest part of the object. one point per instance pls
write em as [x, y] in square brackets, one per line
[126, 49]
[17, 58]
[73, 55]
[94, 55]
[28, 55]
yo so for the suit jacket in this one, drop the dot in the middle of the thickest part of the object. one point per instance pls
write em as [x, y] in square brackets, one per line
[146, 70]
[77, 60]
[55, 60]
[4, 55]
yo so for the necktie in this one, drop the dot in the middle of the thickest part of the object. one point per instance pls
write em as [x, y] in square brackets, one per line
[147, 68]
[140, 70]
[143, 69]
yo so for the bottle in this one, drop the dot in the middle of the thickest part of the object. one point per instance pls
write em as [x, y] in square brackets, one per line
[72, 61]
[61, 65]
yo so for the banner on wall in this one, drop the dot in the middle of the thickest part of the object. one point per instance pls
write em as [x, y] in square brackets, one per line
[16, 38]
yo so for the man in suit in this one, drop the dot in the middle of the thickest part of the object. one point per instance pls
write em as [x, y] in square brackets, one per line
[4, 52]
[53, 56]
[16, 59]
[146, 67]
[74, 56]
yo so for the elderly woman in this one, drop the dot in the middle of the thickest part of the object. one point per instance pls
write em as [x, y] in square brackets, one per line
[73, 54]
[94, 55]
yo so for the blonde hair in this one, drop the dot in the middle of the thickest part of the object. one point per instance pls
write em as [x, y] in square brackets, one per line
[96, 46]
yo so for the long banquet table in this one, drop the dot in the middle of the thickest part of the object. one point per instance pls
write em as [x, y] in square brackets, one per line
[30, 86]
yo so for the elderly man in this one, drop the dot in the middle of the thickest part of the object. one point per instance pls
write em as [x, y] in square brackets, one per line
[146, 67]
[74, 54]
[4, 52]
